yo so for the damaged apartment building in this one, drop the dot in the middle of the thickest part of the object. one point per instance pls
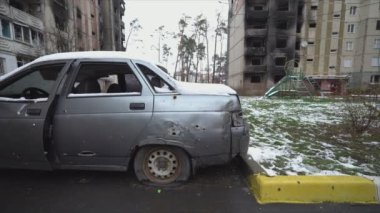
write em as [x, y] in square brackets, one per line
[31, 28]
[334, 42]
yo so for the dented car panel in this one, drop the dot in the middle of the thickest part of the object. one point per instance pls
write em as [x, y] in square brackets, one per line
[95, 119]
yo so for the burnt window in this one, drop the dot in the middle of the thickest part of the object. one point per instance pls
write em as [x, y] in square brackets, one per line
[313, 25]
[310, 42]
[375, 79]
[18, 32]
[257, 61]
[335, 33]
[259, 24]
[298, 45]
[255, 79]
[281, 42]
[59, 23]
[282, 24]
[79, 13]
[309, 59]
[280, 61]
[277, 78]
[333, 50]
[314, 7]
[257, 43]
[283, 5]
[378, 25]
[336, 15]
[299, 27]
[258, 7]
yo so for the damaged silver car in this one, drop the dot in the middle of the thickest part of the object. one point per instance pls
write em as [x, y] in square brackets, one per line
[105, 111]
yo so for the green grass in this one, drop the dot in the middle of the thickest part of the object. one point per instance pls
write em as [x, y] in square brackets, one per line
[307, 136]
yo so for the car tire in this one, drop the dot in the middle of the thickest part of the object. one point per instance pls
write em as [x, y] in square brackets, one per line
[162, 165]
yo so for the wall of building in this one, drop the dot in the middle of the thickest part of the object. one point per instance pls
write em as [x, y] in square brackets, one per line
[59, 26]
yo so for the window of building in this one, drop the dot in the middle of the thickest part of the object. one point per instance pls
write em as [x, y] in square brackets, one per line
[309, 59]
[26, 34]
[277, 78]
[280, 61]
[353, 10]
[378, 25]
[333, 50]
[257, 43]
[334, 33]
[331, 67]
[257, 61]
[93, 33]
[314, 7]
[258, 7]
[351, 28]
[310, 42]
[283, 6]
[377, 44]
[2, 62]
[255, 79]
[281, 42]
[5, 28]
[375, 62]
[336, 15]
[34, 35]
[313, 25]
[375, 79]
[18, 32]
[349, 45]
[282, 24]
[79, 13]
[59, 23]
[347, 63]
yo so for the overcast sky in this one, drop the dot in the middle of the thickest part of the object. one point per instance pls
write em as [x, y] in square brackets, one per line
[154, 13]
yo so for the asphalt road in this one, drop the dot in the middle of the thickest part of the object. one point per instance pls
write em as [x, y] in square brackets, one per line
[215, 189]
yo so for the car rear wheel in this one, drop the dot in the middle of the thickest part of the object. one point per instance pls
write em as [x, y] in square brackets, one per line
[162, 165]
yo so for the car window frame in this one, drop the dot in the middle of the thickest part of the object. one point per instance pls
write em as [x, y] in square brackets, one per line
[75, 71]
[161, 75]
[26, 70]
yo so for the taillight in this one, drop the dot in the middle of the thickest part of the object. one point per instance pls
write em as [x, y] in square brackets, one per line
[237, 119]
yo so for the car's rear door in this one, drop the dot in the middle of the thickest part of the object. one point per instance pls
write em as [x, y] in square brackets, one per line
[105, 107]
[26, 100]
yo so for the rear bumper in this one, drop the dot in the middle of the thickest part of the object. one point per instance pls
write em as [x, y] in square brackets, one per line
[240, 140]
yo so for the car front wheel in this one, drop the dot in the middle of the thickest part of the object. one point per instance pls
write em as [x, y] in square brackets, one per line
[162, 165]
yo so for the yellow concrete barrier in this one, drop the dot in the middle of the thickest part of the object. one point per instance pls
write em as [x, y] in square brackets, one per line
[313, 189]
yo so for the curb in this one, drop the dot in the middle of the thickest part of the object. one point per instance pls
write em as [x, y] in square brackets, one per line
[310, 189]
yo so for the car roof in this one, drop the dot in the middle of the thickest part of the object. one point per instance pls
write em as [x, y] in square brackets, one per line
[85, 55]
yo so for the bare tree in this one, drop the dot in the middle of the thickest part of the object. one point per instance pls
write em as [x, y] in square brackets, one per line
[134, 26]
[220, 29]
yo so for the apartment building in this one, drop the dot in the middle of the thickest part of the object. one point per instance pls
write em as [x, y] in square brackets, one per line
[33, 28]
[332, 41]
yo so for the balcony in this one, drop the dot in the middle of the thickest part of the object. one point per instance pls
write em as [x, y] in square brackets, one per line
[251, 32]
[255, 51]
[255, 69]
[251, 13]
[20, 16]
[20, 48]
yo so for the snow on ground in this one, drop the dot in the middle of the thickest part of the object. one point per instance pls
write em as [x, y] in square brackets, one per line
[296, 137]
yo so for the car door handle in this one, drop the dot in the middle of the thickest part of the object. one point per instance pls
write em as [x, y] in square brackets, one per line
[86, 154]
[33, 112]
[137, 106]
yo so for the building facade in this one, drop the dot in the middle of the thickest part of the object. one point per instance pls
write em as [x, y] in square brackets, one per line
[33, 28]
[331, 41]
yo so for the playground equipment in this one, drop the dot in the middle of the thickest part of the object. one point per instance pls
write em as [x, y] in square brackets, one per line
[294, 83]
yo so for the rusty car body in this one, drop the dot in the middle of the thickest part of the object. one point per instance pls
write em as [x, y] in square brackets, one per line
[104, 111]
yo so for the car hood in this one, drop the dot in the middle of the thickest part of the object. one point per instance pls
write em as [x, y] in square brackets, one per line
[204, 89]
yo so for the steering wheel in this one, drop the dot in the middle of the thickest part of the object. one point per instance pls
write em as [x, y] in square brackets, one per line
[34, 92]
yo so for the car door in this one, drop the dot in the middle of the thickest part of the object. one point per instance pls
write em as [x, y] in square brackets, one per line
[26, 99]
[104, 109]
